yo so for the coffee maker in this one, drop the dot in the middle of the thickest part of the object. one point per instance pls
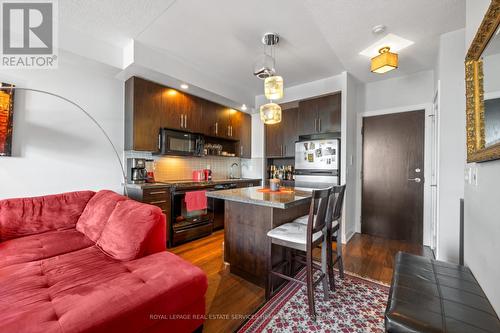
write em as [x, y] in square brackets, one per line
[136, 168]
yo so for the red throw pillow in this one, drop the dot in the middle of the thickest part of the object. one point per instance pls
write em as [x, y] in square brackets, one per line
[126, 233]
[97, 212]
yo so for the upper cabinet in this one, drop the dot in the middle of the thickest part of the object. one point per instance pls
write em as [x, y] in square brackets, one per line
[319, 115]
[313, 116]
[281, 137]
[150, 106]
[241, 124]
[180, 111]
[143, 114]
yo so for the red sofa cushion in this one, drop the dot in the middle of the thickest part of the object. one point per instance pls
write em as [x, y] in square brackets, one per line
[97, 212]
[87, 291]
[29, 216]
[41, 246]
[126, 234]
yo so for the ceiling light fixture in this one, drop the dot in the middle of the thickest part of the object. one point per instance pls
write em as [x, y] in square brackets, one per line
[184, 86]
[244, 107]
[273, 87]
[385, 61]
[378, 29]
[270, 113]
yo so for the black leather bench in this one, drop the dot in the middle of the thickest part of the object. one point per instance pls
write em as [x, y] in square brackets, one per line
[427, 295]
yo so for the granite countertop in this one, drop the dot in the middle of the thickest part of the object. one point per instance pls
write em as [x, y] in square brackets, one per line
[190, 183]
[252, 195]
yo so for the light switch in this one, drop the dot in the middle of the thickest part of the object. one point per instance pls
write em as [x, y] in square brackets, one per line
[475, 176]
[468, 175]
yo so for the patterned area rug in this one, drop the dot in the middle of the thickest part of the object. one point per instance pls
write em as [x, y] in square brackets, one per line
[357, 305]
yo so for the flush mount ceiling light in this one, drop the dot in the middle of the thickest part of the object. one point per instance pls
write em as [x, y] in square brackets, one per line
[383, 53]
[244, 107]
[270, 113]
[385, 61]
[184, 86]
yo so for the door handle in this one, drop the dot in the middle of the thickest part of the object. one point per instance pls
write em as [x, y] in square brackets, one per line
[241, 151]
[185, 121]
[319, 124]
[216, 128]
[315, 124]
[416, 180]
[182, 123]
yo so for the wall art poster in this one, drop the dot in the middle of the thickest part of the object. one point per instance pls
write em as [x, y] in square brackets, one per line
[6, 119]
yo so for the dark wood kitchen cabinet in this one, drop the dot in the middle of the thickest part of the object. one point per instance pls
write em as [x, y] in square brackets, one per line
[319, 115]
[243, 129]
[150, 106]
[274, 137]
[143, 106]
[180, 111]
[281, 137]
[329, 113]
[290, 131]
[307, 117]
[215, 120]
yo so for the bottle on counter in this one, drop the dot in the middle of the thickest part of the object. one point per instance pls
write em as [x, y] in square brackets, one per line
[208, 173]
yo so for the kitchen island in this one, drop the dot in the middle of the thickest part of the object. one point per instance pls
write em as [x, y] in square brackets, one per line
[249, 214]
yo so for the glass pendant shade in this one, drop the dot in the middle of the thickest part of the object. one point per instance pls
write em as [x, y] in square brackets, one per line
[270, 113]
[384, 62]
[273, 87]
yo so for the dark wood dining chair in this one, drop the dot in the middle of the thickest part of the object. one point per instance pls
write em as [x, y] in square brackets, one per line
[334, 233]
[294, 237]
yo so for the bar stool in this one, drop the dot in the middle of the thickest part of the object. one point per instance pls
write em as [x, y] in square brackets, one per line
[304, 238]
[334, 233]
[333, 224]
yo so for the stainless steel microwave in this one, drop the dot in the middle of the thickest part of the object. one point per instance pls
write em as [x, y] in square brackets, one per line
[171, 142]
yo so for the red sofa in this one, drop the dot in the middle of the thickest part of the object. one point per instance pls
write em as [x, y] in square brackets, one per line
[93, 262]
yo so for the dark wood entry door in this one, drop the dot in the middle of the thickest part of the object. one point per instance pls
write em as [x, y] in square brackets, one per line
[393, 176]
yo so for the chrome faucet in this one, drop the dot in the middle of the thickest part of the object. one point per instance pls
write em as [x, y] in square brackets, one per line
[231, 175]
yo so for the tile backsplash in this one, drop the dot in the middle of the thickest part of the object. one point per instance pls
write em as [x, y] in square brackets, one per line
[179, 168]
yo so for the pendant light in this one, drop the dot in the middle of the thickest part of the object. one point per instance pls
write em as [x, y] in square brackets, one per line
[385, 61]
[270, 113]
[273, 87]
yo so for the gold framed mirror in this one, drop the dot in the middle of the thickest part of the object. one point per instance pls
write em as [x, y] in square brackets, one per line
[482, 86]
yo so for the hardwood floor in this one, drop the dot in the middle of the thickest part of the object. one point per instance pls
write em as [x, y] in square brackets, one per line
[230, 299]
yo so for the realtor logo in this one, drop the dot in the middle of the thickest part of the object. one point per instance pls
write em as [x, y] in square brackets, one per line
[29, 34]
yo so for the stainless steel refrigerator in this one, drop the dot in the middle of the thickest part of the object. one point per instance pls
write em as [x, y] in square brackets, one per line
[318, 161]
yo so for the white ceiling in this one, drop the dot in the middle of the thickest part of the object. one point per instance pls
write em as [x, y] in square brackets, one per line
[319, 38]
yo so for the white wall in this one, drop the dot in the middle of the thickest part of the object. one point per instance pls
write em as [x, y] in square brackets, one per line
[55, 147]
[353, 104]
[482, 209]
[254, 167]
[412, 89]
[451, 142]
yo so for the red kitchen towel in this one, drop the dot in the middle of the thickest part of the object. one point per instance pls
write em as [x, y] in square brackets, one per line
[196, 200]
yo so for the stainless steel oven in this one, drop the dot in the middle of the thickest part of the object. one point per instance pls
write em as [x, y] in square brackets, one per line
[171, 142]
